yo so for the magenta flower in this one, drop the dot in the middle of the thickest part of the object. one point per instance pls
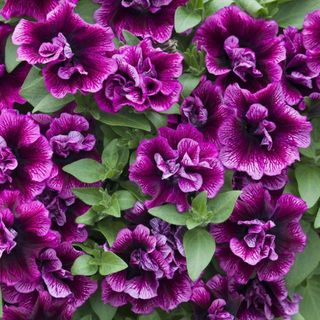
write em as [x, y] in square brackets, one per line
[24, 232]
[75, 52]
[37, 9]
[69, 134]
[10, 83]
[274, 183]
[257, 300]
[299, 80]
[261, 134]
[152, 279]
[202, 109]
[146, 78]
[58, 293]
[311, 41]
[262, 235]
[25, 154]
[208, 307]
[176, 164]
[37, 305]
[143, 18]
[241, 49]
[70, 138]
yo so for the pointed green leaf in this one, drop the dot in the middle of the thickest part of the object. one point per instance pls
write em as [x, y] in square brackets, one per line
[169, 214]
[86, 170]
[308, 178]
[199, 247]
[90, 196]
[84, 266]
[222, 205]
[11, 59]
[111, 263]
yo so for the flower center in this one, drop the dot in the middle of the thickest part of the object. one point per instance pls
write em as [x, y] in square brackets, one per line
[194, 111]
[145, 5]
[243, 60]
[74, 141]
[258, 298]
[299, 73]
[8, 162]
[58, 48]
[257, 244]
[258, 125]
[56, 206]
[7, 234]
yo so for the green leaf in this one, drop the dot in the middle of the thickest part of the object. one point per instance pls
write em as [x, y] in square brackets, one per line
[89, 218]
[175, 109]
[125, 119]
[294, 12]
[114, 208]
[86, 10]
[130, 38]
[11, 59]
[126, 199]
[157, 119]
[153, 316]
[86, 170]
[90, 196]
[111, 263]
[317, 220]
[110, 154]
[103, 311]
[199, 204]
[199, 247]
[308, 178]
[310, 304]
[185, 19]
[35, 92]
[85, 266]
[222, 206]
[189, 83]
[110, 228]
[252, 6]
[1, 312]
[306, 261]
[298, 316]
[169, 214]
[215, 5]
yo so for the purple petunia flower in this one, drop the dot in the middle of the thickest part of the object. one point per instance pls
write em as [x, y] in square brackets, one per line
[146, 78]
[75, 52]
[299, 80]
[153, 278]
[37, 9]
[311, 41]
[241, 48]
[207, 306]
[274, 183]
[145, 18]
[257, 300]
[176, 164]
[24, 232]
[70, 138]
[262, 235]
[261, 134]
[69, 134]
[35, 305]
[55, 293]
[202, 109]
[25, 154]
[10, 83]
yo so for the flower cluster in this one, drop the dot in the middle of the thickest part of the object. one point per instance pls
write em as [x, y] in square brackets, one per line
[118, 148]
[38, 212]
